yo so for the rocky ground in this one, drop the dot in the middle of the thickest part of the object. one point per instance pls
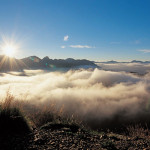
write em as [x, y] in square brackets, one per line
[64, 137]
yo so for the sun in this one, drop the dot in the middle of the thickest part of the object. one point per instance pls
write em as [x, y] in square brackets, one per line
[9, 46]
[9, 50]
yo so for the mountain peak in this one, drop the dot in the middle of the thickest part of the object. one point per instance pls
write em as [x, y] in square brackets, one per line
[70, 60]
[46, 58]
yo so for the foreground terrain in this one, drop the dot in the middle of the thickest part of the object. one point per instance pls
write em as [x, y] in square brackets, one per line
[59, 136]
[48, 129]
[64, 138]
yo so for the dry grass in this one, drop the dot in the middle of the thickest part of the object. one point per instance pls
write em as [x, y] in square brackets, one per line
[41, 115]
[138, 131]
[11, 118]
[6, 103]
[37, 116]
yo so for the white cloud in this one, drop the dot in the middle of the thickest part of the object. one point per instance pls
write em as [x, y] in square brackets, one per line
[63, 46]
[145, 50]
[66, 38]
[81, 46]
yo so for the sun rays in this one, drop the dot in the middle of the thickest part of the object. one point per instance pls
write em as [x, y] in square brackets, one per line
[9, 46]
[9, 50]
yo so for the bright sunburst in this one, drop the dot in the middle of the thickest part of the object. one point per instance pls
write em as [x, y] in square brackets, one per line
[9, 50]
[9, 46]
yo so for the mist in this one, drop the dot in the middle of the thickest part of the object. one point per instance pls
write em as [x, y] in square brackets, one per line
[98, 97]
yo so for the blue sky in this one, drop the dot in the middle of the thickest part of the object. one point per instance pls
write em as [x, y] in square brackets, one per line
[92, 29]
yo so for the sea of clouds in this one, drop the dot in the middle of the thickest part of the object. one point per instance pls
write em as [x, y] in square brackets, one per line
[100, 98]
[140, 68]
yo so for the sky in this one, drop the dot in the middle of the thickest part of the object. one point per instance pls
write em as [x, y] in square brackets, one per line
[97, 30]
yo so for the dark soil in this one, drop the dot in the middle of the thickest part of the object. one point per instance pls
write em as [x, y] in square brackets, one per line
[64, 136]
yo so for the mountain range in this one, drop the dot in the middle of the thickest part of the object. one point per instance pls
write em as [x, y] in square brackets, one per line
[133, 61]
[34, 62]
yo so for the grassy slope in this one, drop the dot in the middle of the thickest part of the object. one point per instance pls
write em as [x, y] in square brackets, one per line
[30, 127]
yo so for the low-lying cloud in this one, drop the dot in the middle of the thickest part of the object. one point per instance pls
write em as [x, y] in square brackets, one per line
[96, 96]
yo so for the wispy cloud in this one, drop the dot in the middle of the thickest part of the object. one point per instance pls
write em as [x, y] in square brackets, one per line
[144, 50]
[66, 38]
[114, 42]
[78, 46]
[81, 46]
[63, 46]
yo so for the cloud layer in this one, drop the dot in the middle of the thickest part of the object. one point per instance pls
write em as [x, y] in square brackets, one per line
[96, 96]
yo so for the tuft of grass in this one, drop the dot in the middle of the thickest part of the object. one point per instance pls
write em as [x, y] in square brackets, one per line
[11, 118]
[42, 115]
[138, 131]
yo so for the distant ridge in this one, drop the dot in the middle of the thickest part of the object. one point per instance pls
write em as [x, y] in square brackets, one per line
[133, 61]
[34, 62]
[138, 61]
